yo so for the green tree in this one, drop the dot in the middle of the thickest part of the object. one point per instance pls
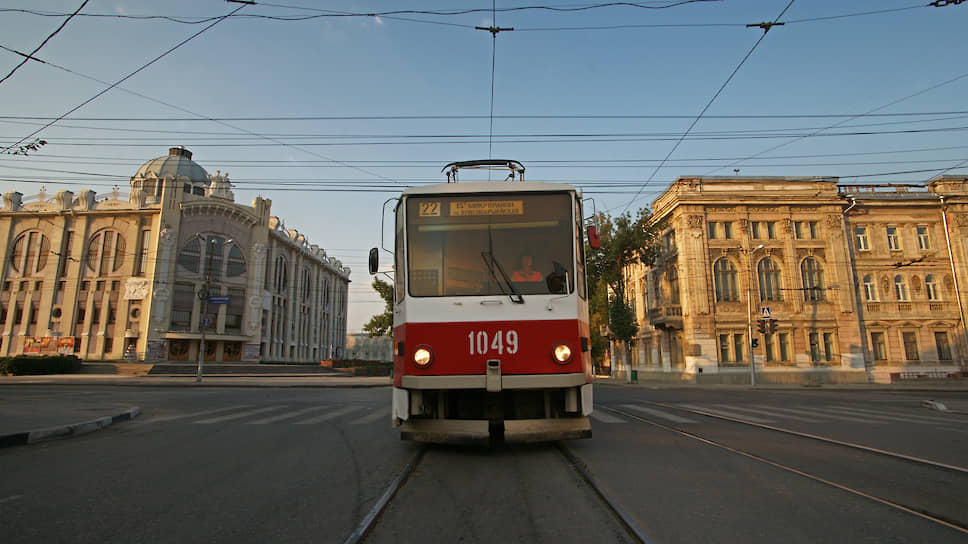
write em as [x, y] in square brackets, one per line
[624, 241]
[382, 324]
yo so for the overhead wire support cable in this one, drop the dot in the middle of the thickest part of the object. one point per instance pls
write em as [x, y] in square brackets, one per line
[766, 30]
[42, 44]
[122, 80]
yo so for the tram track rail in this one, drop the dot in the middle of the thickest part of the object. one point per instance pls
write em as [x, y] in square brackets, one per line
[923, 513]
[369, 521]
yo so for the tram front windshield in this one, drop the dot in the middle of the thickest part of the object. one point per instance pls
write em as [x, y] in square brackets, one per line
[509, 244]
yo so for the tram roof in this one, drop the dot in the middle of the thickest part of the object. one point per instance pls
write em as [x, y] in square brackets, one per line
[489, 187]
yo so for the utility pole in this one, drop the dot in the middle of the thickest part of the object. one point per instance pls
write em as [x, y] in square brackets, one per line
[749, 309]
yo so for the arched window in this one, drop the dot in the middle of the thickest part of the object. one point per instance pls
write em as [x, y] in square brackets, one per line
[900, 288]
[724, 274]
[30, 252]
[870, 289]
[812, 274]
[190, 256]
[105, 252]
[769, 276]
[236, 262]
[931, 286]
[281, 280]
[306, 290]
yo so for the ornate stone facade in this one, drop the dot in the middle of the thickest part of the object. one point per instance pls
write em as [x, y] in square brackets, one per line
[857, 278]
[142, 276]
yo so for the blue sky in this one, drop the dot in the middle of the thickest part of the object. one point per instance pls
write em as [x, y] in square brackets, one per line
[597, 97]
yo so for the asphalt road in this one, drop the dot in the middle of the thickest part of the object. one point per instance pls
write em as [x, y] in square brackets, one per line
[299, 465]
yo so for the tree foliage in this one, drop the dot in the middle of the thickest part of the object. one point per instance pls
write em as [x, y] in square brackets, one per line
[624, 241]
[382, 324]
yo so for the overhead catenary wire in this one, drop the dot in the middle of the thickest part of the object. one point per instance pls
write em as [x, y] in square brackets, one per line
[43, 43]
[122, 80]
[766, 30]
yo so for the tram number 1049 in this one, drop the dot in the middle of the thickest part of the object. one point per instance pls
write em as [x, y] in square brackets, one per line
[482, 343]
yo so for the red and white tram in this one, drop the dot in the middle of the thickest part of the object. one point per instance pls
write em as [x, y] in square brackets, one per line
[490, 321]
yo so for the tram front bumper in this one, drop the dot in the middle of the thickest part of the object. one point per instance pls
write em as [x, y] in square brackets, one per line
[518, 431]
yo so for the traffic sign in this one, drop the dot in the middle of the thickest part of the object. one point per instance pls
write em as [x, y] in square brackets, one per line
[219, 300]
[765, 312]
[207, 322]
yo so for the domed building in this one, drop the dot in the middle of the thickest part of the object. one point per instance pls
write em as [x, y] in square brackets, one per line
[155, 275]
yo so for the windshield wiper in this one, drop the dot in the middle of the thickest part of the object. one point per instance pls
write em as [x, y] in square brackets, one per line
[507, 287]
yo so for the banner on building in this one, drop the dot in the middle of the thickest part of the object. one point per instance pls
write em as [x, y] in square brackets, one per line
[50, 345]
[156, 350]
[251, 352]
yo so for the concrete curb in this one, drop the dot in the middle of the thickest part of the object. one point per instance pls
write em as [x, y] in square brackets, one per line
[67, 431]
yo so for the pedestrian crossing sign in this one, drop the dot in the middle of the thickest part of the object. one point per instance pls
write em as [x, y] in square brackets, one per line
[765, 312]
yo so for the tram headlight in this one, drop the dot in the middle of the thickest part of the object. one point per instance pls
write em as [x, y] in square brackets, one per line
[423, 356]
[562, 353]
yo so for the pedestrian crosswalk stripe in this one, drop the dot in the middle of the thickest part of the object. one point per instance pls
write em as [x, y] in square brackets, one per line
[331, 415]
[870, 417]
[768, 410]
[196, 414]
[603, 417]
[658, 413]
[239, 415]
[370, 418]
[727, 413]
[904, 417]
[287, 415]
[819, 413]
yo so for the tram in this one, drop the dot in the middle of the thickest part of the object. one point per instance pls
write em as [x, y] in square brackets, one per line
[490, 320]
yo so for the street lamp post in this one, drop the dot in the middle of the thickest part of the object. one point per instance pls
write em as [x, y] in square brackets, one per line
[749, 310]
[203, 294]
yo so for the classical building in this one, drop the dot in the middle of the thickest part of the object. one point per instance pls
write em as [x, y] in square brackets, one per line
[148, 275]
[861, 282]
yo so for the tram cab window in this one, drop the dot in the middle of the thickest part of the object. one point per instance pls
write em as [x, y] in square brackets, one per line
[469, 245]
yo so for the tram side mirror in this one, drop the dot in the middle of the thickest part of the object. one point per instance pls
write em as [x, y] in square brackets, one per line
[374, 260]
[593, 237]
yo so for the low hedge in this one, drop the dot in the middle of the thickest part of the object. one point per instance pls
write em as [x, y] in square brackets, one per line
[39, 364]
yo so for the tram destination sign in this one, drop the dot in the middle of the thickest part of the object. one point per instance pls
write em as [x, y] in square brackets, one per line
[462, 208]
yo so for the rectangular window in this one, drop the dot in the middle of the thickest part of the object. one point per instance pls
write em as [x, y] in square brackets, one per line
[756, 230]
[728, 230]
[33, 315]
[81, 312]
[768, 347]
[771, 230]
[910, 346]
[711, 230]
[724, 348]
[828, 346]
[814, 347]
[893, 242]
[3, 314]
[85, 285]
[183, 302]
[814, 230]
[143, 261]
[860, 234]
[18, 315]
[798, 230]
[944, 349]
[108, 344]
[738, 343]
[66, 254]
[924, 243]
[96, 315]
[112, 314]
[878, 346]
[784, 341]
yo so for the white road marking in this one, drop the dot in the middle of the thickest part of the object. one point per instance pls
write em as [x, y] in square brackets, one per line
[727, 413]
[287, 415]
[370, 418]
[603, 417]
[194, 414]
[833, 414]
[769, 410]
[11, 498]
[901, 416]
[325, 417]
[239, 415]
[657, 413]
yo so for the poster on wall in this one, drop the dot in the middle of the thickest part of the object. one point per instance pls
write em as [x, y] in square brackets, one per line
[49, 345]
[251, 352]
[66, 345]
[156, 350]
